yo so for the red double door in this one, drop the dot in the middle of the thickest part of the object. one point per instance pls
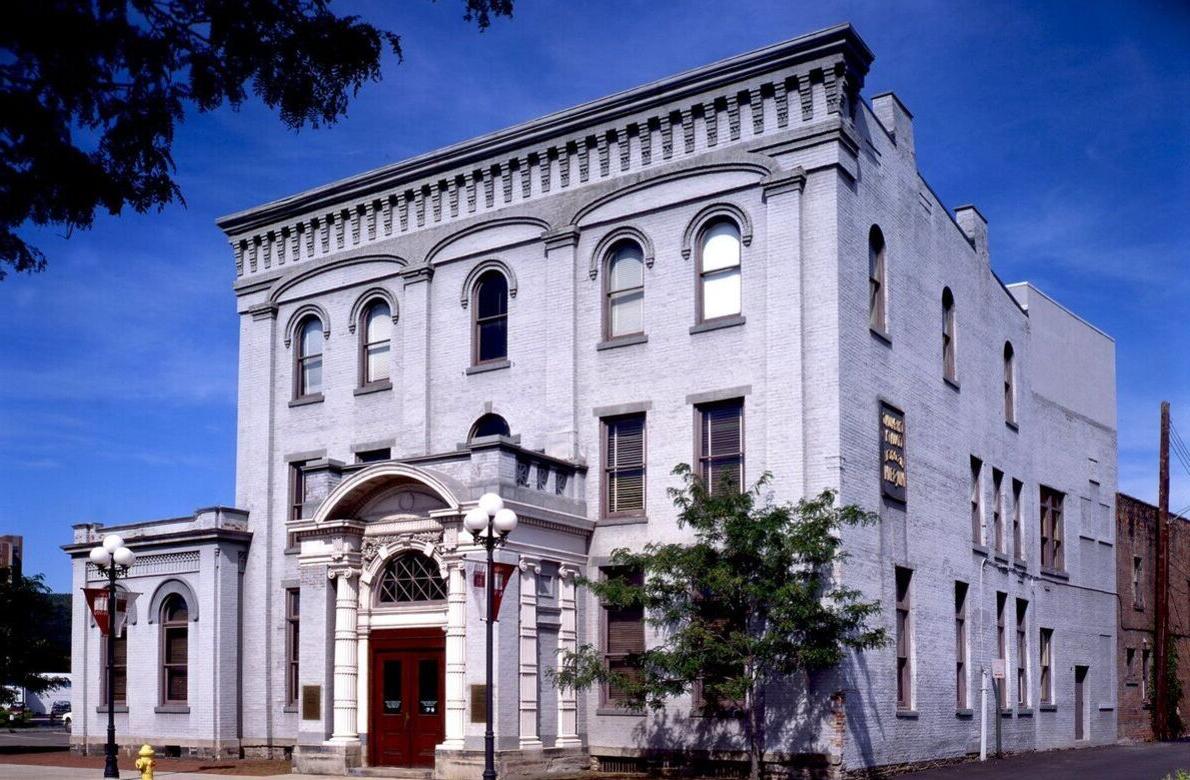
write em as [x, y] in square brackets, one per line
[408, 702]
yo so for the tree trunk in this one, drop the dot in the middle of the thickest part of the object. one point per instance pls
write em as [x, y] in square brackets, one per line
[755, 730]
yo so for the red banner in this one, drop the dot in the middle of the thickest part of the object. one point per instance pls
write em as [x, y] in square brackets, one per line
[503, 573]
[97, 600]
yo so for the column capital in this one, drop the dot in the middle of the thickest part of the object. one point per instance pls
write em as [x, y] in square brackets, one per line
[562, 237]
[419, 273]
[568, 571]
[784, 181]
[528, 564]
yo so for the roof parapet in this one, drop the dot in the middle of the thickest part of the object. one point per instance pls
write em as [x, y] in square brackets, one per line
[897, 120]
[975, 226]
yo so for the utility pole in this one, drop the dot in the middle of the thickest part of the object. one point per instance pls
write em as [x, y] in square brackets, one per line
[1161, 628]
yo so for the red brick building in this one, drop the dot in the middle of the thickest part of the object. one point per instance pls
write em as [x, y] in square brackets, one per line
[1136, 559]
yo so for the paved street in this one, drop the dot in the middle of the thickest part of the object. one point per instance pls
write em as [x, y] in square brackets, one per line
[1117, 762]
[33, 739]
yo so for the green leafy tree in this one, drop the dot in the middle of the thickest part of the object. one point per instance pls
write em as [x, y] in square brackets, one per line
[91, 90]
[29, 646]
[1175, 724]
[749, 602]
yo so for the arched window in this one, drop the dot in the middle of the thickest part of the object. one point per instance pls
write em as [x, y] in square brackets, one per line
[376, 330]
[949, 367]
[308, 367]
[489, 425]
[625, 282]
[1009, 384]
[175, 641]
[410, 577]
[719, 270]
[877, 320]
[490, 335]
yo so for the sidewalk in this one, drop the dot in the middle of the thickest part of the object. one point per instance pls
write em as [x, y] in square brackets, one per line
[39, 772]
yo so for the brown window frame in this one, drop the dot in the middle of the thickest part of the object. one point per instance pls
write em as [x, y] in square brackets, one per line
[365, 380]
[292, 644]
[611, 470]
[960, 643]
[168, 627]
[1002, 646]
[1045, 654]
[609, 294]
[977, 500]
[877, 275]
[705, 459]
[297, 490]
[700, 276]
[998, 510]
[1009, 384]
[300, 359]
[950, 362]
[378, 455]
[477, 321]
[120, 663]
[607, 696]
[1053, 552]
[1022, 654]
[903, 630]
[1138, 591]
[1018, 529]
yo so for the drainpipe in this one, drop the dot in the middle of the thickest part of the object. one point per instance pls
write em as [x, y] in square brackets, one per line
[983, 676]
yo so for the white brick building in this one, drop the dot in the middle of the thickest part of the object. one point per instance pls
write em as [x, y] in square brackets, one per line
[556, 312]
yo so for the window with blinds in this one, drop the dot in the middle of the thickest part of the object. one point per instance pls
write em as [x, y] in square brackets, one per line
[624, 637]
[624, 466]
[721, 445]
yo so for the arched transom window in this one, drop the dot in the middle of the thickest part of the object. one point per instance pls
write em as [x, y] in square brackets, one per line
[175, 649]
[410, 577]
[490, 336]
[376, 329]
[719, 270]
[489, 425]
[625, 290]
[308, 366]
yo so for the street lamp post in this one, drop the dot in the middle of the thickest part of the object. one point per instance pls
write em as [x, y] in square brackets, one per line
[490, 523]
[112, 559]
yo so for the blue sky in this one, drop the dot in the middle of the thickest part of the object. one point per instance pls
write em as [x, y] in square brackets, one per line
[1068, 124]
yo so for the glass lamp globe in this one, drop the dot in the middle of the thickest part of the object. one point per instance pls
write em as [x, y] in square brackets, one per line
[505, 521]
[101, 557]
[124, 557]
[476, 520]
[112, 542]
[465, 537]
[491, 503]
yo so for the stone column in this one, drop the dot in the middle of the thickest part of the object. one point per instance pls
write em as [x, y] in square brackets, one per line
[528, 647]
[561, 271]
[567, 643]
[456, 655]
[346, 604]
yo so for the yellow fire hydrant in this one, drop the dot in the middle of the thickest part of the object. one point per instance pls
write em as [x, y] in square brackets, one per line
[146, 763]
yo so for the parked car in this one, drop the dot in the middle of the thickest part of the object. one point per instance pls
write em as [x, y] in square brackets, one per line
[59, 708]
[67, 719]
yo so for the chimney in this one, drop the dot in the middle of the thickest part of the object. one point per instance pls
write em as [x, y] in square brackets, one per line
[975, 227]
[897, 120]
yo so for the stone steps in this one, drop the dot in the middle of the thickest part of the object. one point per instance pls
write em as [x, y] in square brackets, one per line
[403, 773]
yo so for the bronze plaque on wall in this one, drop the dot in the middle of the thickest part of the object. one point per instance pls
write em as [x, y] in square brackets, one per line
[893, 482]
[311, 702]
[479, 704]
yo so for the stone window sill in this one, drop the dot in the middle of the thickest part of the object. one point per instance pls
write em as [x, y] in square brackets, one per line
[1000, 558]
[953, 384]
[979, 549]
[1018, 563]
[1006, 712]
[120, 708]
[1048, 708]
[964, 713]
[628, 520]
[881, 336]
[622, 341]
[908, 714]
[1055, 573]
[306, 400]
[718, 323]
[1027, 712]
[494, 365]
[619, 712]
[176, 709]
[290, 708]
[375, 387]
[1012, 426]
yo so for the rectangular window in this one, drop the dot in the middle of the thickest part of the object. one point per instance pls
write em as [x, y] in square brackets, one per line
[1018, 537]
[960, 645]
[292, 625]
[1022, 655]
[298, 490]
[1001, 647]
[120, 666]
[1047, 665]
[998, 509]
[1145, 655]
[624, 637]
[1138, 593]
[1052, 553]
[904, 640]
[1130, 666]
[624, 466]
[976, 500]
[374, 456]
[721, 445]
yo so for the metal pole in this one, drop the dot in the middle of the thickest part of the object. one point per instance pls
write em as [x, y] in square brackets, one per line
[489, 738]
[109, 765]
[1161, 632]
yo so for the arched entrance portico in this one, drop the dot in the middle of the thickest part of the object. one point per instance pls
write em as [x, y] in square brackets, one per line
[387, 538]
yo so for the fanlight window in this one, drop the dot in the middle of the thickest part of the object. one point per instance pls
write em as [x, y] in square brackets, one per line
[489, 425]
[410, 577]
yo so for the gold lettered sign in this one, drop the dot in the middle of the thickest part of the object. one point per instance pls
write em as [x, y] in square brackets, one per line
[893, 483]
[311, 702]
